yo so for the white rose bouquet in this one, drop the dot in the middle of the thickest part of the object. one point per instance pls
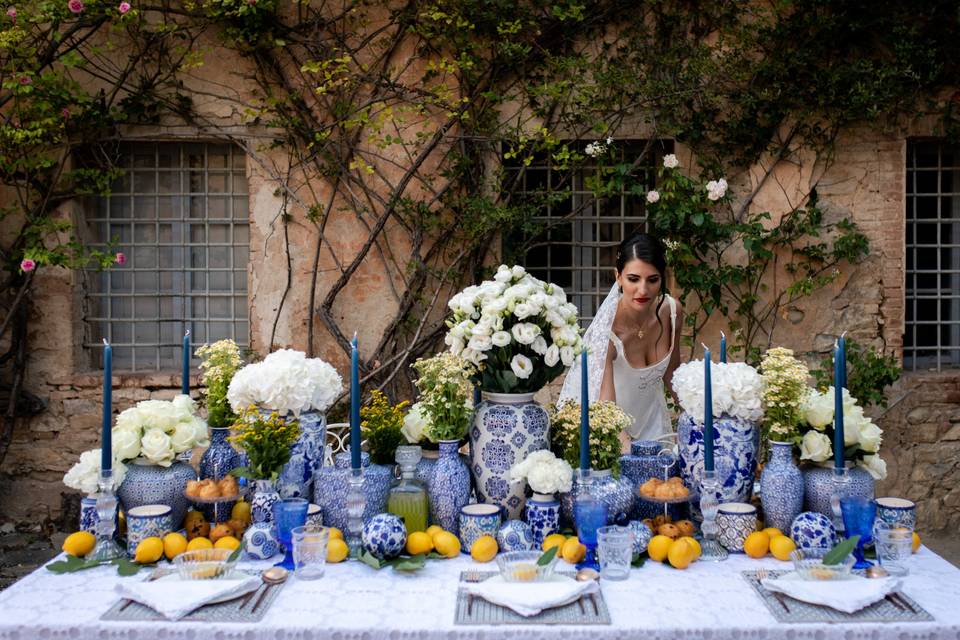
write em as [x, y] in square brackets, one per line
[157, 430]
[520, 332]
[737, 390]
[85, 475]
[861, 436]
[544, 472]
[286, 381]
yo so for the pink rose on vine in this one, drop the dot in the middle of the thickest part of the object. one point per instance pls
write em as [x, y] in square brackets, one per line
[12, 13]
[75, 6]
[27, 265]
[124, 7]
[120, 258]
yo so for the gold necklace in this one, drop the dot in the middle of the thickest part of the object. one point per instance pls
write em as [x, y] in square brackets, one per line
[640, 334]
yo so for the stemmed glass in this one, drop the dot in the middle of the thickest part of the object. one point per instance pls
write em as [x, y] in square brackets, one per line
[589, 514]
[289, 514]
[858, 516]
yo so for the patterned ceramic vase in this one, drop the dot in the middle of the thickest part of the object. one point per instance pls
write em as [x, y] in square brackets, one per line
[642, 534]
[736, 521]
[543, 515]
[220, 457]
[449, 487]
[477, 520]
[641, 464]
[306, 457]
[264, 496]
[148, 483]
[515, 535]
[314, 515]
[88, 514]
[331, 487]
[147, 521]
[507, 427]
[384, 536]
[428, 461]
[260, 541]
[818, 486]
[813, 531]
[781, 487]
[897, 511]
[735, 455]
[616, 493]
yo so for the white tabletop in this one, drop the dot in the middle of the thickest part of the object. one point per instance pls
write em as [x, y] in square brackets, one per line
[353, 601]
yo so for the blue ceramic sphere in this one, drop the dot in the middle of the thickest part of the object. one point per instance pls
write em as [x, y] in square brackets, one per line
[384, 536]
[641, 536]
[515, 535]
[812, 530]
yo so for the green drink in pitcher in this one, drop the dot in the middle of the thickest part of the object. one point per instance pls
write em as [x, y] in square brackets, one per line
[408, 498]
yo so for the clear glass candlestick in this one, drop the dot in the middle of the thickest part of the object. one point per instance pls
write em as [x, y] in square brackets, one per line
[107, 549]
[711, 548]
[356, 503]
[841, 486]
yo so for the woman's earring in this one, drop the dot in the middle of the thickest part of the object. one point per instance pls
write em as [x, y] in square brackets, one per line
[621, 290]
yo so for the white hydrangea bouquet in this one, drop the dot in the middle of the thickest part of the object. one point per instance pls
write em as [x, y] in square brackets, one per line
[861, 436]
[736, 386]
[519, 331]
[544, 472]
[158, 430]
[286, 381]
[85, 475]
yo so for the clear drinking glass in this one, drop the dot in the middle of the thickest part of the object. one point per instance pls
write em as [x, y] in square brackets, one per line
[310, 551]
[615, 549]
[894, 546]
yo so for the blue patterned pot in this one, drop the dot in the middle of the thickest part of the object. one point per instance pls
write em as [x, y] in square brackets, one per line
[543, 515]
[642, 534]
[264, 497]
[897, 512]
[449, 487]
[314, 515]
[515, 535]
[641, 464]
[507, 427]
[147, 521]
[617, 493]
[736, 521]
[812, 530]
[425, 467]
[384, 536]
[306, 457]
[781, 487]
[818, 486]
[331, 486]
[147, 483]
[260, 541]
[88, 514]
[477, 520]
[735, 455]
[220, 457]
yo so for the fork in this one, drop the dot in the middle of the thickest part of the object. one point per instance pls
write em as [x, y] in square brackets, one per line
[471, 576]
[761, 576]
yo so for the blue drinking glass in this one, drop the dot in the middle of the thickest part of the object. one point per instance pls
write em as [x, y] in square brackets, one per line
[589, 514]
[289, 514]
[858, 516]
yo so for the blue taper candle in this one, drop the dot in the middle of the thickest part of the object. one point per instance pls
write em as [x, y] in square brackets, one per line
[584, 413]
[838, 381]
[185, 380]
[723, 347]
[476, 396]
[707, 413]
[354, 405]
[106, 439]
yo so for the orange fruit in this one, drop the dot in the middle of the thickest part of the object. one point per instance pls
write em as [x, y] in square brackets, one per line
[757, 544]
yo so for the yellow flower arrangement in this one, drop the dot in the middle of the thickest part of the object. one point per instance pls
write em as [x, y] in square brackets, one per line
[266, 439]
[607, 420]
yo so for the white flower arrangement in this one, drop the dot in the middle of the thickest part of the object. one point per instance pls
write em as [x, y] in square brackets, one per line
[520, 332]
[736, 386]
[861, 436]
[286, 381]
[85, 474]
[415, 424]
[544, 472]
[157, 430]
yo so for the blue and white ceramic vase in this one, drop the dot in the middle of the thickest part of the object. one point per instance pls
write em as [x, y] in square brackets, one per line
[818, 485]
[306, 457]
[449, 487]
[642, 535]
[88, 513]
[261, 506]
[638, 466]
[781, 487]
[428, 461]
[331, 486]
[735, 455]
[220, 457]
[515, 535]
[617, 493]
[543, 515]
[148, 483]
[507, 427]
[260, 541]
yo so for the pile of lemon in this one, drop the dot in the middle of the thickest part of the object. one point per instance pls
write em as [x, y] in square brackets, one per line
[434, 539]
[771, 540]
[680, 553]
[571, 549]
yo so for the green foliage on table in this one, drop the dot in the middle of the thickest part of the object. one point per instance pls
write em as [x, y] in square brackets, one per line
[380, 423]
[607, 420]
[869, 372]
[547, 556]
[219, 362]
[840, 552]
[640, 559]
[266, 439]
[446, 395]
[401, 563]
[72, 564]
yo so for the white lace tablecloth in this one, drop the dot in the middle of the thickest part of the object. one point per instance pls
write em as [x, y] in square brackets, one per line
[354, 602]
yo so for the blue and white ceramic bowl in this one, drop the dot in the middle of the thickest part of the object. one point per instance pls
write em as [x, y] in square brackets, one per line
[260, 541]
[812, 530]
[314, 515]
[147, 521]
[515, 535]
[384, 536]
[478, 520]
[897, 512]
[642, 534]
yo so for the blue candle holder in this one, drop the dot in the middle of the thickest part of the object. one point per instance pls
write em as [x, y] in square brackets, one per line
[287, 515]
[858, 516]
[589, 514]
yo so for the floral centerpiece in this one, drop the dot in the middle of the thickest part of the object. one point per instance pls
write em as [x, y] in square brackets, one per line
[861, 436]
[266, 440]
[736, 388]
[381, 424]
[85, 474]
[784, 392]
[546, 475]
[607, 420]
[220, 361]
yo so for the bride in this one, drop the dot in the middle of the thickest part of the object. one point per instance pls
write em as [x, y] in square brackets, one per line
[632, 341]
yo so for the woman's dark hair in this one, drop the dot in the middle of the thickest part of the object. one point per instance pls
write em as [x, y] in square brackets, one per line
[640, 246]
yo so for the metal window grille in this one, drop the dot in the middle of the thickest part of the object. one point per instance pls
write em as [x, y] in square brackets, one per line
[180, 214]
[932, 328]
[576, 247]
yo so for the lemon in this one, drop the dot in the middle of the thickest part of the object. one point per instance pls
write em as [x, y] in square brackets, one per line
[572, 551]
[434, 529]
[199, 543]
[781, 547]
[772, 532]
[680, 554]
[696, 546]
[173, 545]
[149, 550]
[757, 544]
[658, 547]
[916, 542]
[484, 549]
[227, 542]
[241, 511]
[80, 543]
[553, 540]
[419, 542]
[447, 544]
[335, 534]
[337, 550]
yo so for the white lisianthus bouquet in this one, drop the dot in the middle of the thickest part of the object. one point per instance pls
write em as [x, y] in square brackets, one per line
[544, 472]
[861, 436]
[286, 381]
[157, 430]
[85, 475]
[520, 332]
[737, 390]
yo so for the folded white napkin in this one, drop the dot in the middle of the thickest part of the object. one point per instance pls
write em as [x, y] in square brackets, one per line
[530, 598]
[848, 595]
[175, 598]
